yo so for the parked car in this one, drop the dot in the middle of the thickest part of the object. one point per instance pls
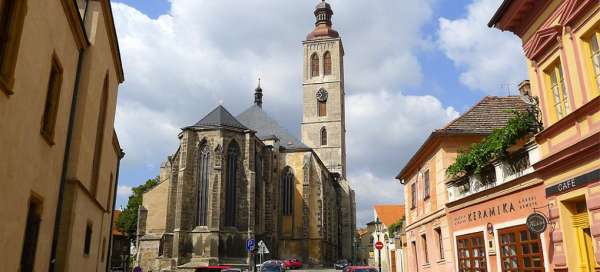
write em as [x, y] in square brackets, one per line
[213, 268]
[360, 269]
[292, 264]
[272, 266]
[231, 270]
[341, 264]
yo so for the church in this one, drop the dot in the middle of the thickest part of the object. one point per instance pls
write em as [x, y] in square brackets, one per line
[235, 178]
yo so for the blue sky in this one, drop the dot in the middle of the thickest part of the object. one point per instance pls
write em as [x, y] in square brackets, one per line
[411, 66]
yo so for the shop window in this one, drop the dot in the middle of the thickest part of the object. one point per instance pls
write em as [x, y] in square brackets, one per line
[426, 188]
[425, 247]
[440, 241]
[471, 252]
[520, 250]
[31, 235]
[558, 91]
[52, 101]
[413, 195]
[594, 47]
[12, 15]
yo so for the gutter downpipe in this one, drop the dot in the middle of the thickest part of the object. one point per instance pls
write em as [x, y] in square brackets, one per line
[67, 153]
[110, 237]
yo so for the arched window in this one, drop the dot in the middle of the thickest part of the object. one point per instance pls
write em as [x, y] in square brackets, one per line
[233, 153]
[314, 65]
[323, 136]
[327, 63]
[287, 191]
[202, 182]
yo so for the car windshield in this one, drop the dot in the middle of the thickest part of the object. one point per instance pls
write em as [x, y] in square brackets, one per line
[270, 267]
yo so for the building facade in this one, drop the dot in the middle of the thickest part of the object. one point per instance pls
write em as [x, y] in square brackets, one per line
[561, 41]
[59, 72]
[429, 229]
[245, 177]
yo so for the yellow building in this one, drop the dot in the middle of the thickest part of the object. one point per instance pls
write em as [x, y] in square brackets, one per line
[59, 72]
[561, 40]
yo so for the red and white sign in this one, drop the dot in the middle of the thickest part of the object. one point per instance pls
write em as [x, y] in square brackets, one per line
[379, 245]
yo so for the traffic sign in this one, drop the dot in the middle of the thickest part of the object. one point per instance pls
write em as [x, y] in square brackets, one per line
[250, 243]
[379, 245]
[262, 248]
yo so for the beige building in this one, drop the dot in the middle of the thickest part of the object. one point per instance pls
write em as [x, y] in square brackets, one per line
[245, 177]
[59, 72]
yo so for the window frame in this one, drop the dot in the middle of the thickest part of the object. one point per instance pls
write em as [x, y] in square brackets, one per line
[592, 71]
[202, 181]
[327, 65]
[426, 185]
[470, 247]
[518, 244]
[87, 242]
[323, 136]
[52, 101]
[288, 189]
[424, 246]
[315, 65]
[440, 242]
[10, 49]
[31, 236]
[413, 195]
[233, 155]
[556, 90]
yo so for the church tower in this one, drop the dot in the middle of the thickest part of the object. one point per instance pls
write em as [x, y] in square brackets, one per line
[323, 121]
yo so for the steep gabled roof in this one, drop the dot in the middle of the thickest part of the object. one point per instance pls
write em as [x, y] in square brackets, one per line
[219, 118]
[266, 127]
[389, 214]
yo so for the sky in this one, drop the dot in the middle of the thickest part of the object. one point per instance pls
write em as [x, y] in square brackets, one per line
[411, 66]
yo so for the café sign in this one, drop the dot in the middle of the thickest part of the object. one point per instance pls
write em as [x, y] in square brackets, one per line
[570, 184]
[537, 223]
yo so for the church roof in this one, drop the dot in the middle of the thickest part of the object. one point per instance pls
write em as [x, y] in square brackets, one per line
[219, 118]
[266, 127]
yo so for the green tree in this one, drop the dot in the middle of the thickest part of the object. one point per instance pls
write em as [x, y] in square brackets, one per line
[128, 219]
[397, 226]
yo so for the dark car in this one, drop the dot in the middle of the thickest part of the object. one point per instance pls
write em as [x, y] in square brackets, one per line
[272, 266]
[341, 264]
[212, 268]
[360, 269]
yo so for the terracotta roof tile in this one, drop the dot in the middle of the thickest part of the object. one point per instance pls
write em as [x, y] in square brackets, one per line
[389, 214]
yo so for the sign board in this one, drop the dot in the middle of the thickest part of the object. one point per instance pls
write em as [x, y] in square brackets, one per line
[537, 223]
[250, 243]
[577, 182]
[379, 245]
[262, 248]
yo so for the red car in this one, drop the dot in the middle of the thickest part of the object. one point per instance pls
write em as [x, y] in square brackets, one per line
[360, 269]
[292, 264]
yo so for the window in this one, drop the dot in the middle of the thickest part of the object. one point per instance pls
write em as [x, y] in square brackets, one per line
[520, 250]
[425, 247]
[594, 43]
[12, 15]
[233, 154]
[323, 136]
[32, 228]
[287, 185]
[103, 249]
[100, 128]
[322, 108]
[414, 250]
[88, 239]
[471, 253]
[52, 101]
[202, 185]
[327, 63]
[314, 65]
[558, 91]
[413, 195]
[258, 195]
[426, 189]
[440, 241]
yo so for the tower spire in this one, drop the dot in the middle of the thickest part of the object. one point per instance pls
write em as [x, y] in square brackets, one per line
[258, 94]
[323, 30]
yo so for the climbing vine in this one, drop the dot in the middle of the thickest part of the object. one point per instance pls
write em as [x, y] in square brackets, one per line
[493, 146]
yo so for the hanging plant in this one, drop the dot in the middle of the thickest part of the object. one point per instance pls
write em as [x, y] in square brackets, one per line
[494, 146]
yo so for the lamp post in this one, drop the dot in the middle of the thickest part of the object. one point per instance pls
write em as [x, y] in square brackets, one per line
[378, 227]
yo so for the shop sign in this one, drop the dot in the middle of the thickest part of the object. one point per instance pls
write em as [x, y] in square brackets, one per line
[567, 185]
[537, 223]
[508, 207]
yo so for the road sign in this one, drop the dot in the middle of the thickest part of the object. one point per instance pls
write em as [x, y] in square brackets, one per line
[262, 248]
[250, 243]
[379, 245]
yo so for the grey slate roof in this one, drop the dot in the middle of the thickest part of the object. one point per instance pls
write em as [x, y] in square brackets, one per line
[266, 127]
[218, 118]
[492, 112]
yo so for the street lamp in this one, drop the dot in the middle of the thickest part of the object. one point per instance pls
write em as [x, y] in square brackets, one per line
[378, 229]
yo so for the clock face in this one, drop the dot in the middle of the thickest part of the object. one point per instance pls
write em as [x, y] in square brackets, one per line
[322, 95]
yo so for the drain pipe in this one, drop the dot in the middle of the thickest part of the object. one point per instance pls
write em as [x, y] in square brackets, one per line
[112, 218]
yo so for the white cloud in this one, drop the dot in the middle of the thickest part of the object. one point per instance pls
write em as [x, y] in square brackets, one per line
[124, 191]
[180, 65]
[491, 60]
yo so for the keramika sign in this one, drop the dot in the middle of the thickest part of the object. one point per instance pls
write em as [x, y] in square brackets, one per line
[482, 213]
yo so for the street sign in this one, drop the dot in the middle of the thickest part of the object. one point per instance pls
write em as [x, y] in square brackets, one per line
[250, 243]
[379, 245]
[262, 248]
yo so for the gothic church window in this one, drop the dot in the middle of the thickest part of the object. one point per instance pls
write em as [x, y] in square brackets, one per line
[258, 169]
[314, 65]
[323, 136]
[287, 187]
[233, 154]
[202, 181]
[327, 63]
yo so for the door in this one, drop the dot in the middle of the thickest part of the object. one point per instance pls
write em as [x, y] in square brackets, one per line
[520, 250]
[471, 252]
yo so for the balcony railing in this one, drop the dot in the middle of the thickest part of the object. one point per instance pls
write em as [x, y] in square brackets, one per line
[497, 172]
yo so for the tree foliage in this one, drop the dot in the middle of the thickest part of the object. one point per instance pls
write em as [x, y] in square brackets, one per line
[128, 219]
[397, 226]
[493, 146]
